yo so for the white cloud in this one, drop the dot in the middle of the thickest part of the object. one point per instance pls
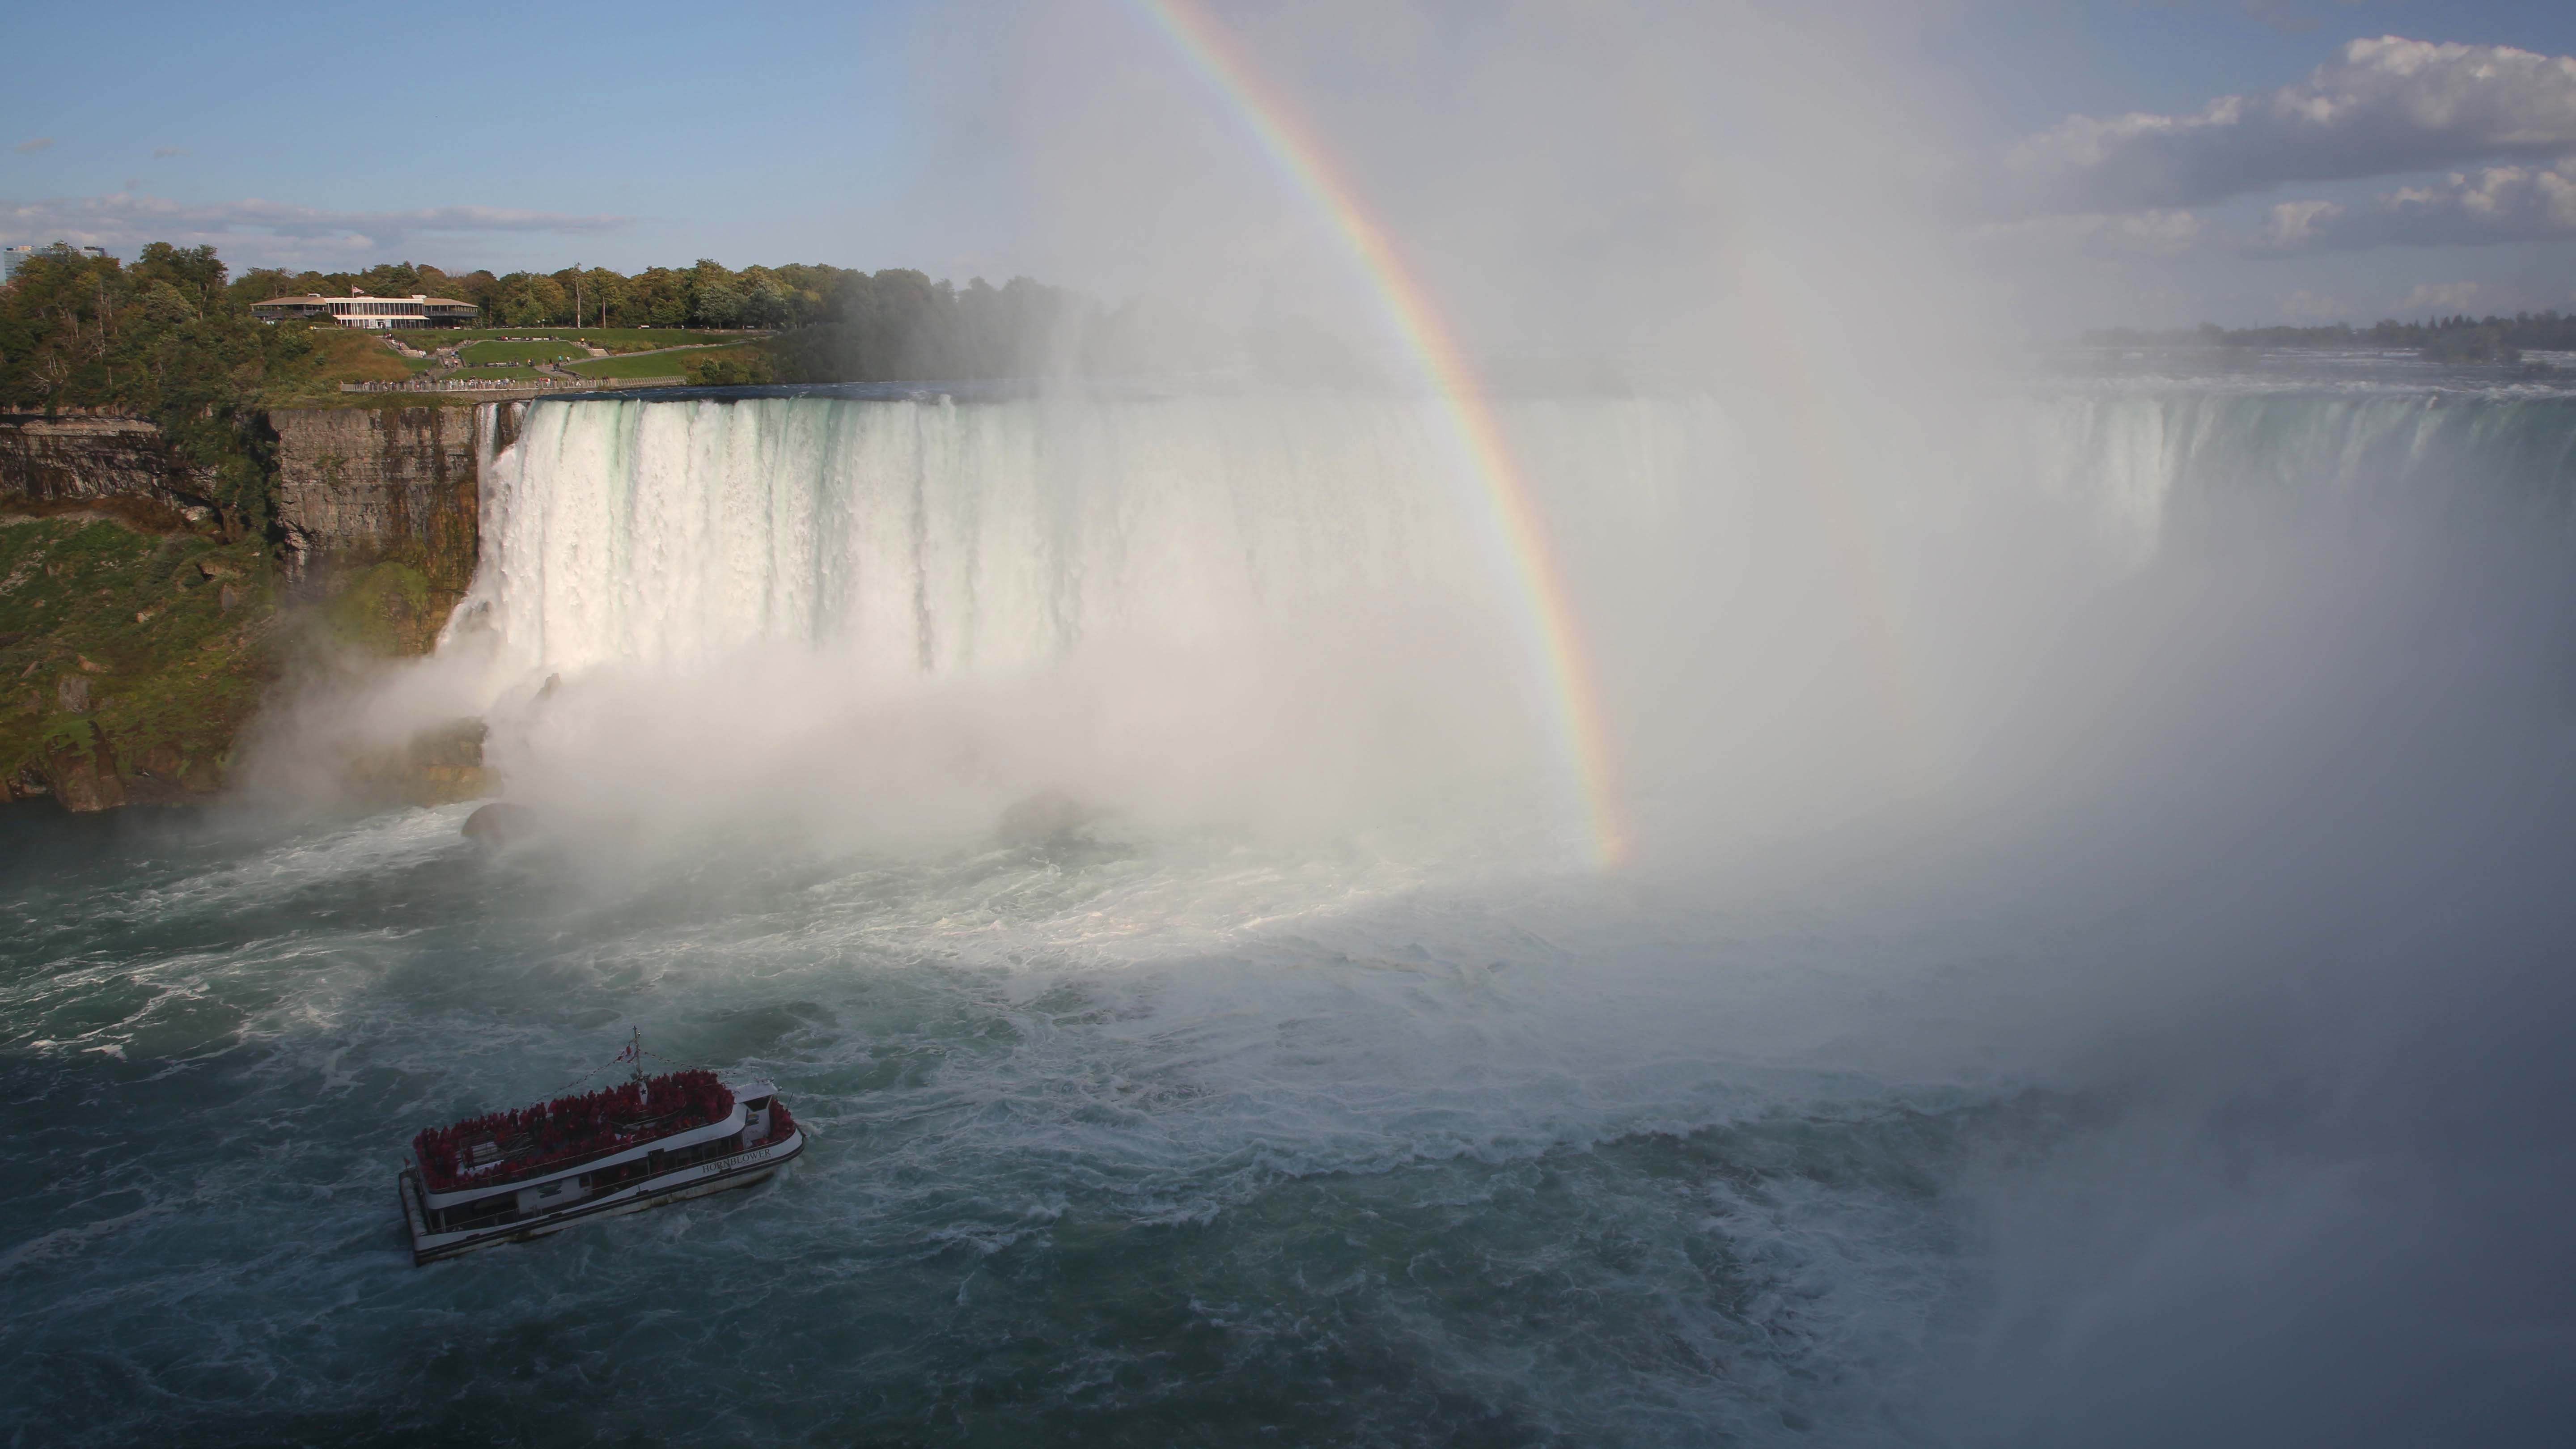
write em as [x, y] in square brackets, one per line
[2152, 233]
[2379, 108]
[2306, 306]
[2497, 204]
[30, 148]
[2440, 297]
[275, 231]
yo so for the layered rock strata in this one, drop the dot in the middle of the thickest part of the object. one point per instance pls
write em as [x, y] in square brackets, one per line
[138, 642]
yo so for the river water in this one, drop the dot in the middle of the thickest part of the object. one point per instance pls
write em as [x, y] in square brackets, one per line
[2029, 1072]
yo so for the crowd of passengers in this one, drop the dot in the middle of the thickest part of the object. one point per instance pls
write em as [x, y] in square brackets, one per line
[626, 1115]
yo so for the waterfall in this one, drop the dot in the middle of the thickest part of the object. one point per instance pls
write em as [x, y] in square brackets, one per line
[930, 536]
[2148, 463]
[1185, 594]
[927, 536]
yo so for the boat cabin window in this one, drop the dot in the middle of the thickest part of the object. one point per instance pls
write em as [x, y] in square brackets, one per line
[755, 1104]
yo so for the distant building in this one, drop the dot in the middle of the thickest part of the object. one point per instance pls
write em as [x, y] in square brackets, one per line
[12, 258]
[376, 314]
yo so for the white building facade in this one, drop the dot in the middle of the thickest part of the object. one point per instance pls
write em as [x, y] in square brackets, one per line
[375, 314]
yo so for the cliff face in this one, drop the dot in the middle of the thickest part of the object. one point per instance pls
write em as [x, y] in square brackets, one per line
[136, 642]
[364, 487]
[68, 460]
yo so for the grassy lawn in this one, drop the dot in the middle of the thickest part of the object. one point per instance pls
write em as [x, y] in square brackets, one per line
[346, 356]
[615, 339]
[519, 351]
[658, 364]
[495, 374]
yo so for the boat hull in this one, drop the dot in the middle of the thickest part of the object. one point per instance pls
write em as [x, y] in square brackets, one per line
[722, 1174]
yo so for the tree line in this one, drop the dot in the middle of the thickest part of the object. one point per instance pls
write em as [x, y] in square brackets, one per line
[2456, 338]
[832, 324]
[704, 295]
[168, 338]
[171, 336]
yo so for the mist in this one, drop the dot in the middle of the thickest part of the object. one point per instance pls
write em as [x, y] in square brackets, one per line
[2218, 807]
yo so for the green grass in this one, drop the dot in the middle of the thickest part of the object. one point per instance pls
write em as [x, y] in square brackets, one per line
[615, 339]
[519, 352]
[656, 364]
[496, 374]
[350, 356]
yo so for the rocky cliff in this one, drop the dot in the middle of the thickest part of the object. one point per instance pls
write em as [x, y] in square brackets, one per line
[135, 641]
[73, 460]
[380, 502]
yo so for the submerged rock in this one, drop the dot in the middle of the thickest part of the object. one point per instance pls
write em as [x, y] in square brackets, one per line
[1049, 817]
[500, 825]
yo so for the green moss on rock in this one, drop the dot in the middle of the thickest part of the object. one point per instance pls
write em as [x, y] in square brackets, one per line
[127, 655]
[384, 609]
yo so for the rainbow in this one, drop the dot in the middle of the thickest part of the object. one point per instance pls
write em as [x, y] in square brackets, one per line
[1468, 416]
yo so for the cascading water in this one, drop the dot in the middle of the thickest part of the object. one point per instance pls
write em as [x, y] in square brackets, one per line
[918, 535]
[2157, 460]
[1191, 1132]
[1307, 593]
[921, 535]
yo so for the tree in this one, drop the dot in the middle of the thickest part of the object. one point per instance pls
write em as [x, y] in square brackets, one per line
[524, 299]
[716, 304]
[196, 273]
[606, 294]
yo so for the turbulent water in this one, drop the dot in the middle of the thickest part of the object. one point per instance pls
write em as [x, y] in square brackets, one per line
[2091, 892]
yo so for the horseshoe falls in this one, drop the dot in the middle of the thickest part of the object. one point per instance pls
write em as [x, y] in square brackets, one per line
[2091, 970]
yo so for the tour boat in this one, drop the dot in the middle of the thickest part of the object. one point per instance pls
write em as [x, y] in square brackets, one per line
[507, 1177]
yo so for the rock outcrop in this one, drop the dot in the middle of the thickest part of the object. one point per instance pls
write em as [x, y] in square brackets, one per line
[93, 459]
[1047, 818]
[500, 825]
[364, 486]
[438, 766]
[138, 641]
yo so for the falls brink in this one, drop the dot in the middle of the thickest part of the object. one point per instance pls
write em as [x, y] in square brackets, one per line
[921, 535]
[1180, 597]
[1272, 608]
[925, 535]
[2147, 464]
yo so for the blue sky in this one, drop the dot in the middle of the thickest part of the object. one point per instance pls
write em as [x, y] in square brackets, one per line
[936, 136]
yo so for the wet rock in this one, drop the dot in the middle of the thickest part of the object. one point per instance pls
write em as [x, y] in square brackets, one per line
[82, 775]
[161, 762]
[438, 766]
[71, 694]
[500, 825]
[1049, 817]
[164, 775]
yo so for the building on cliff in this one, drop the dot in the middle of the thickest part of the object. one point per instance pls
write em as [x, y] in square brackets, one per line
[376, 314]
